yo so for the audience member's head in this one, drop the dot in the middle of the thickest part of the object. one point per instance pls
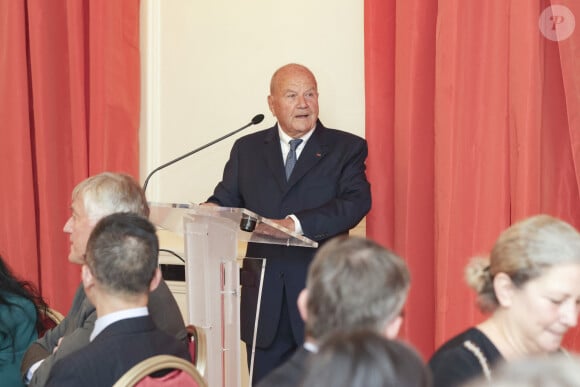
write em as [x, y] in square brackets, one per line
[96, 197]
[523, 252]
[531, 283]
[366, 359]
[354, 283]
[121, 258]
[560, 370]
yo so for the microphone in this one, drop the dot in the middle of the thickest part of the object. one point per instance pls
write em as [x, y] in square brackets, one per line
[256, 120]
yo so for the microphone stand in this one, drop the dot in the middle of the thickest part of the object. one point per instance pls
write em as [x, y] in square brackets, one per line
[256, 120]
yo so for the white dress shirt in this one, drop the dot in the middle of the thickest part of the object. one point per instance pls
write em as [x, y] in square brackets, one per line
[285, 147]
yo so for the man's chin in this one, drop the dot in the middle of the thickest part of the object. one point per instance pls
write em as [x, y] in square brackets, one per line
[553, 344]
[73, 258]
[302, 127]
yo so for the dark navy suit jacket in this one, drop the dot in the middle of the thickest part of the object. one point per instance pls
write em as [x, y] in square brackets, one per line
[327, 191]
[113, 352]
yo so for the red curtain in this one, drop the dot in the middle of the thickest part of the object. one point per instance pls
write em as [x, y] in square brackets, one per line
[69, 108]
[473, 122]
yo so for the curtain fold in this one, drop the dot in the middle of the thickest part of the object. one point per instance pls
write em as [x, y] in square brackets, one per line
[69, 73]
[569, 50]
[18, 232]
[400, 108]
[470, 161]
[472, 122]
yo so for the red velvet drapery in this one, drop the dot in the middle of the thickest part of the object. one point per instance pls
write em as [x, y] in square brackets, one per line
[473, 122]
[69, 108]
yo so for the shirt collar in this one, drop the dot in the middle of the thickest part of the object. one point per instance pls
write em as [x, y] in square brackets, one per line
[286, 139]
[108, 319]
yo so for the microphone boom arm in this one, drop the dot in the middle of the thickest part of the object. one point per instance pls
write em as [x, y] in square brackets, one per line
[256, 120]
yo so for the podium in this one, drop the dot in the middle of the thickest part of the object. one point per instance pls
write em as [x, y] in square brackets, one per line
[211, 237]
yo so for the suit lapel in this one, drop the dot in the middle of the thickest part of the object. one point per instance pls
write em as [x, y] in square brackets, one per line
[273, 157]
[314, 151]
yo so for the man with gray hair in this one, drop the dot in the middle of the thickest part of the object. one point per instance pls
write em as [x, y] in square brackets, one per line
[353, 283]
[119, 271]
[93, 199]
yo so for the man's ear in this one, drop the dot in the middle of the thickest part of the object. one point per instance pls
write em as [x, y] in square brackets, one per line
[393, 327]
[504, 289]
[271, 105]
[87, 277]
[155, 280]
[302, 303]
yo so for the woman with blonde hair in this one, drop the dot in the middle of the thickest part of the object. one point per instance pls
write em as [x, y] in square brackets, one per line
[530, 285]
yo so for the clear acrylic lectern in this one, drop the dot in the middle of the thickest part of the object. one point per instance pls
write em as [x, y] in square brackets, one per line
[211, 237]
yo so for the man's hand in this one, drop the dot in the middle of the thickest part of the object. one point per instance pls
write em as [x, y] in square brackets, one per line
[286, 223]
[57, 345]
[209, 204]
[265, 229]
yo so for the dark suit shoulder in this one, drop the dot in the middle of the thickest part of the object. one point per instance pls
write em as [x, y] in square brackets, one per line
[116, 349]
[165, 312]
[290, 373]
[339, 134]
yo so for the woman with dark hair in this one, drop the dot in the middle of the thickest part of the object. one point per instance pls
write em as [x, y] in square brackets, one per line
[20, 322]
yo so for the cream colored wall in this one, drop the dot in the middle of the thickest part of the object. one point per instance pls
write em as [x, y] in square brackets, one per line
[206, 71]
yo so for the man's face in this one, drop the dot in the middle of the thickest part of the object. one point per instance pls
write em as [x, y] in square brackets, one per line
[294, 100]
[79, 226]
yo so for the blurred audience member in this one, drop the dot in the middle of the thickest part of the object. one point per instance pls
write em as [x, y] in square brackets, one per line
[560, 370]
[531, 286]
[366, 359]
[21, 311]
[352, 283]
[93, 199]
[121, 269]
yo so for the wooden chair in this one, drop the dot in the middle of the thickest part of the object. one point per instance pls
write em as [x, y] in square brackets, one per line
[183, 374]
[54, 315]
[50, 319]
[197, 347]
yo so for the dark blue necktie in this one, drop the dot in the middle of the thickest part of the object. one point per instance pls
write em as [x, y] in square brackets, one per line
[291, 157]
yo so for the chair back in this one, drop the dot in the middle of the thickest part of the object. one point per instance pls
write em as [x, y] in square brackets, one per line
[197, 347]
[184, 373]
[50, 319]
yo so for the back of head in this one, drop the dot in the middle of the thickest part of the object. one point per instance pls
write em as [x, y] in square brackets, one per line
[561, 370]
[523, 252]
[354, 283]
[122, 253]
[366, 359]
[108, 192]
